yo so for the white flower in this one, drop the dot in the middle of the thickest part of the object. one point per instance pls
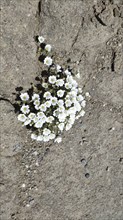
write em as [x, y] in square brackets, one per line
[60, 93]
[25, 109]
[35, 97]
[60, 102]
[46, 132]
[74, 83]
[37, 107]
[44, 119]
[48, 47]
[36, 119]
[69, 79]
[47, 95]
[37, 102]
[67, 72]
[61, 109]
[80, 98]
[62, 117]
[46, 138]
[27, 122]
[43, 107]
[60, 82]
[39, 124]
[81, 114]
[40, 138]
[56, 112]
[87, 94]
[68, 126]
[40, 114]
[52, 79]
[68, 85]
[58, 139]
[52, 136]
[31, 115]
[45, 85]
[72, 110]
[77, 106]
[61, 126]
[48, 103]
[68, 103]
[50, 119]
[83, 104]
[22, 117]
[24, 96]
[54, 100]
[79, 90]
[48, 61]
[58, 68]
[34, 136]
[78, 75]
[41, 39]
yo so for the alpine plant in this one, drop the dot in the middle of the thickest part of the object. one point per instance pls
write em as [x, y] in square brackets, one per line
[52, 107]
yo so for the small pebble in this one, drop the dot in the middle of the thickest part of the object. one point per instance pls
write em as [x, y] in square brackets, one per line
[23, 185]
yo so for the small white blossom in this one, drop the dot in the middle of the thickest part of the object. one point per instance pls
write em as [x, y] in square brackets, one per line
[83, 104]
[81, 114]
[35, 97]
[25, 109]
[60, 82]
[45, 85]
[50, 119]
[48, 104]
[46, 132]
[54, 100]
[87, 94]
[40, 115]
[60, 102]
[61, 126]
[40, 138]
[77, 106]
[58, 140]
[48, 47]
[60, 93]
[34, 136]
[62, 117]
[58, 68]
[31, 115]
[47, 95]
[68, 103]
[61, 109]
[37, 102]
[46, 138]
[68, 85]
[37, 107]
[36, 119]
[52, 79]
[22, 117]
[43, 107]
[27, 122]
[41, 39]
[24, 96]
[52, 136]
[39, 124]
[78, 74]
[48, 61]
[67, 72]
[68, 126]
[79, 90]
[80, 98]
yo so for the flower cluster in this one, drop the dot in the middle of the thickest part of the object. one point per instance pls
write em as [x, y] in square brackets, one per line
[54, 107]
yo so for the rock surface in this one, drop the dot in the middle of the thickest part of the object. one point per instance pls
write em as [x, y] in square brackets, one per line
[81, 178]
